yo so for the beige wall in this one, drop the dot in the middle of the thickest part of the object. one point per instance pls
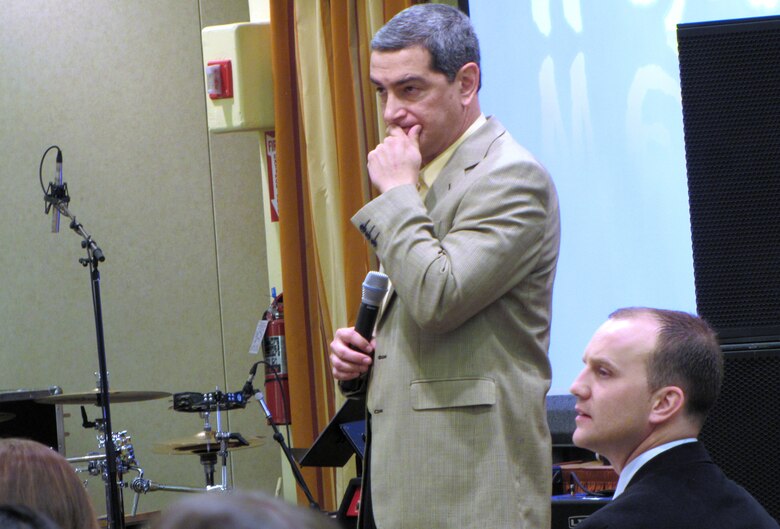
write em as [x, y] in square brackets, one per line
[178, 213]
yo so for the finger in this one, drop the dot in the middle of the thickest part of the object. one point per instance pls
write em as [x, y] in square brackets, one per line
[345, 370]
[353, 359]
[414, 134]
[347, 340]
[394, 130]
[346, 356]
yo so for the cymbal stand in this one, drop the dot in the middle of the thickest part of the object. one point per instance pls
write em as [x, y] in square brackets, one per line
[208, 459]
[224, 443]
[223, 448]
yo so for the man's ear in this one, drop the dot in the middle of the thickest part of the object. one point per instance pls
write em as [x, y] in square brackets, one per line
[468, 81]
[667, 402]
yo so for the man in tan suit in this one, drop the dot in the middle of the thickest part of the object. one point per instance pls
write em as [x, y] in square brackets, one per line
[467, 229]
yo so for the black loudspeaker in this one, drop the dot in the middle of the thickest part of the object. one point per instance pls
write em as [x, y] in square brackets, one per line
[730, 81]
[742, 432]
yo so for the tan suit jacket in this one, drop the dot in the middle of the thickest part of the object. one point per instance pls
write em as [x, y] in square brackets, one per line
[459, 436]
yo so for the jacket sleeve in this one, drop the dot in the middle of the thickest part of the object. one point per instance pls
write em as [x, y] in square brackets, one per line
[448, 271]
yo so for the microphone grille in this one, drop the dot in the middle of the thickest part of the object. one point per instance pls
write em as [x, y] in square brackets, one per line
[374, 288]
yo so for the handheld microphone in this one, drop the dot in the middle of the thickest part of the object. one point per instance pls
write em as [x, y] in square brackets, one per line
[375, 288]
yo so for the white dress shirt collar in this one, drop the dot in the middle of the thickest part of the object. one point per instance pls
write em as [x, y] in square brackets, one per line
[635, 464]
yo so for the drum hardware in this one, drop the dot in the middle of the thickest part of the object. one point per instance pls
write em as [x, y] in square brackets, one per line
[140, 485]
[190, 401]
[212, 447]
[207, 445]
[97, 465]
[124, 455]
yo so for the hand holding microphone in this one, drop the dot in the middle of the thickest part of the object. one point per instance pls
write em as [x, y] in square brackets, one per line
[351, 348]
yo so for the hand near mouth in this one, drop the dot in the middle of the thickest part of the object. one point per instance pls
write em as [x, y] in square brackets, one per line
[397, 160]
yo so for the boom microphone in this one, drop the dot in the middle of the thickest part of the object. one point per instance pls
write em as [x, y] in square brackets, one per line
[248, 390]
[374, 290]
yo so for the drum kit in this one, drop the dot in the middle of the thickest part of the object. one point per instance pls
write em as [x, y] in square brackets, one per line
[212, 446]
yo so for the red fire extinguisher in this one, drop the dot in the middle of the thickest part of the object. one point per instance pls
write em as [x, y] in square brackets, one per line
[277, 389]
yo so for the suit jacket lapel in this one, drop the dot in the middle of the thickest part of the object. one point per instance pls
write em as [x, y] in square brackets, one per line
[466, 157]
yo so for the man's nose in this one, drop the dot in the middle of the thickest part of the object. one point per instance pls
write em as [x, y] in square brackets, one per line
[393, 111]
[578, 388]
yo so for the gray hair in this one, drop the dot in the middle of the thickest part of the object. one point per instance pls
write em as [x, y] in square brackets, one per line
[443, 30]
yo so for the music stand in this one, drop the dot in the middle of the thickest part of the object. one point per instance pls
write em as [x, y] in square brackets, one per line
[342, 437]
[356, 435]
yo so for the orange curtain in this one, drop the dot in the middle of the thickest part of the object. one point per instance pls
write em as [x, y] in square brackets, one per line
[326, 121]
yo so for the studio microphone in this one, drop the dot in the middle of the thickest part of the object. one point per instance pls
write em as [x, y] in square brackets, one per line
[56, 195]
[55, 214]
[374, 290]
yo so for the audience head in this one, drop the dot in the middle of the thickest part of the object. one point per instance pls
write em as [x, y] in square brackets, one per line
[34, 475]
[21, 517]
[240, 510]
[650, 377]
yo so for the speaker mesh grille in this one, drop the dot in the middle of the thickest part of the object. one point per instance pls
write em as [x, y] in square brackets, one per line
[742, 432]
[730, 80]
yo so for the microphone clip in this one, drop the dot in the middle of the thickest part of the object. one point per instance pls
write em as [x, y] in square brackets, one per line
[56, 194]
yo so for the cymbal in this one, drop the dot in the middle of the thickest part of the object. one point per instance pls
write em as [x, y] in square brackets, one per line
[6, 416]
[203, 443]
[93, 397]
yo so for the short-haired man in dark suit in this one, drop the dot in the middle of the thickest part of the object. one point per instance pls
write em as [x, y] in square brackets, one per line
[649, 380]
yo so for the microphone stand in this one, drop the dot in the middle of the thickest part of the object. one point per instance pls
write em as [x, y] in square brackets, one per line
[114, 508]
[279, 438]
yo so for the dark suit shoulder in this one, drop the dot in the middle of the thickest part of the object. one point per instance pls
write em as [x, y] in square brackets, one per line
[682, 489]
